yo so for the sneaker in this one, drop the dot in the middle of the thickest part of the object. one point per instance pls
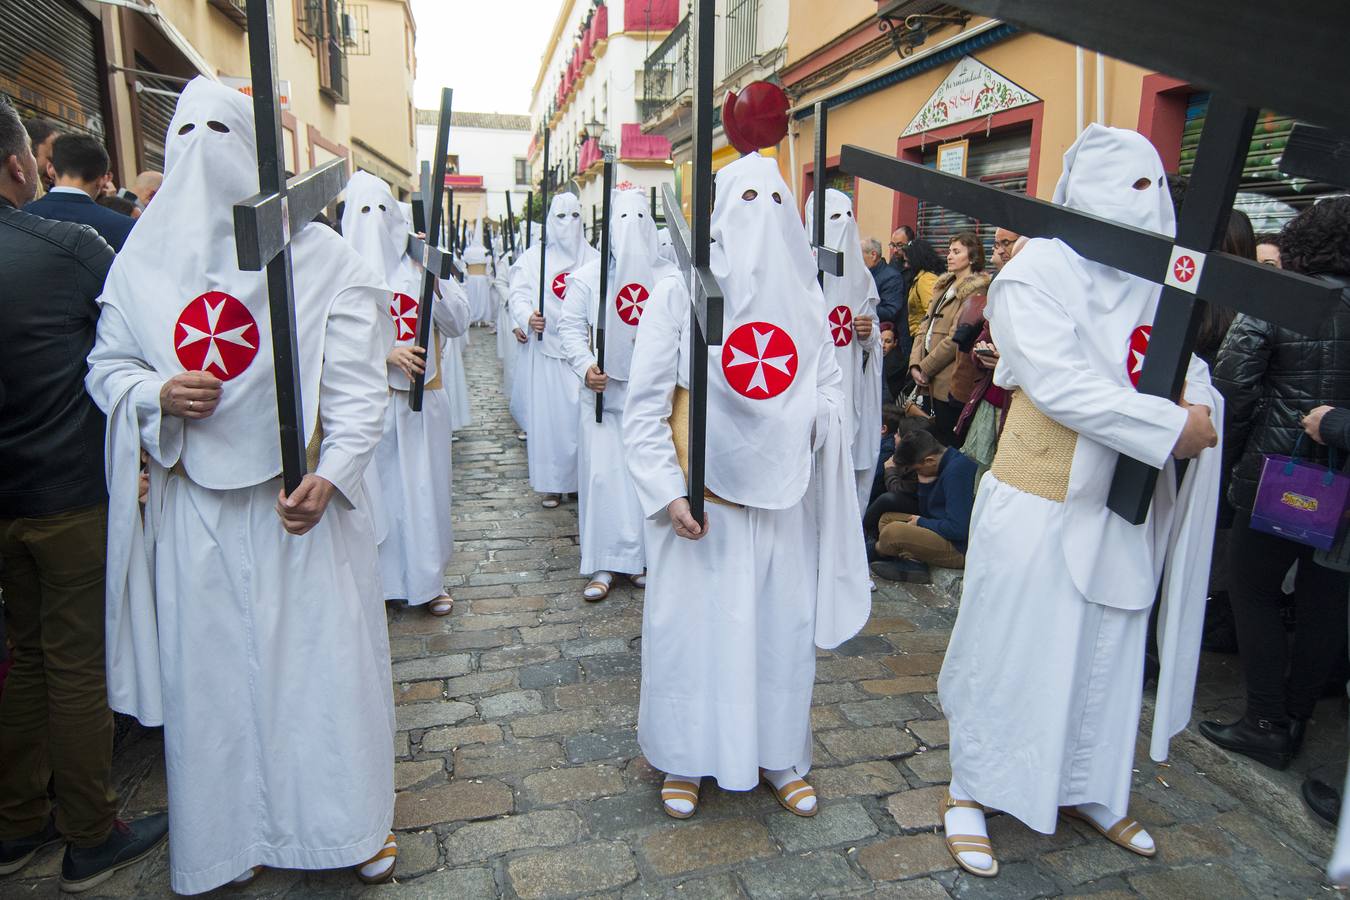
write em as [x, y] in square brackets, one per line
[16, 853]
[127, 844]
[908, 570]
[1324, 800]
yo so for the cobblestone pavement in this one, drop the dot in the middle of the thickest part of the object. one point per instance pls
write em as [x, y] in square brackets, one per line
[520, 776]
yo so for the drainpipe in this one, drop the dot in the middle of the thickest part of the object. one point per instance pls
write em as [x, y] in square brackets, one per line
[1101, 89]
[1078, 86]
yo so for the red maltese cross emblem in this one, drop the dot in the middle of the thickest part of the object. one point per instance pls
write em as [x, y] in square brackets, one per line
[630, 302]
[759, 360]
[560, 284]
[404, 311]
[216, 333]
[1134, 359]
[841, 326]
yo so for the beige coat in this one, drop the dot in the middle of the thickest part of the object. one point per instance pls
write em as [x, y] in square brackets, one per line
[938, 361]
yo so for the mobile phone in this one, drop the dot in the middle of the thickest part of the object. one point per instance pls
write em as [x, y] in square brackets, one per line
[128, 194]
[985, 352]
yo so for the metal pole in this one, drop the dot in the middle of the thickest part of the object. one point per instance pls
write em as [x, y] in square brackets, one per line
[543, 231]
[818, 188]
[608, 182]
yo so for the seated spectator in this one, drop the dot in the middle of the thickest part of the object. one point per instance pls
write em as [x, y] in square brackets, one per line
[890, 284]
[908, 544]
[81, 167]
[890, 424]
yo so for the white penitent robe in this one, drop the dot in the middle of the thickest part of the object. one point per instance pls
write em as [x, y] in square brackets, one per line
[508, 348]
[478, 284]
[456, 380]
[1042, 680]
[415, 471]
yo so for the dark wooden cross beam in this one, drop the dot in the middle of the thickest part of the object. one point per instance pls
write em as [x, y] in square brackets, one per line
[692, 249]
[449, 229]
[264, 225]
[529, 207]
[1190, 268]
[431, 201]
[543, 232]
[1318, 154]
[828, 261]
[432, 258]
[463, 234]
[511, 227]
[607, 185]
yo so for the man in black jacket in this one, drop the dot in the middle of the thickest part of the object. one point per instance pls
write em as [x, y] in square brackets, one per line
[892, 306]
[54, 716]
[81, 167]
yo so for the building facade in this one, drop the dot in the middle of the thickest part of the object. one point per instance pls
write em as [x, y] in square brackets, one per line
[486, 160]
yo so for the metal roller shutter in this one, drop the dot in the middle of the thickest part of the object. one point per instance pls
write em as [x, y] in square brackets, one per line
[49, 63]
[1000, 161]
[1268, 197]
[156, 99]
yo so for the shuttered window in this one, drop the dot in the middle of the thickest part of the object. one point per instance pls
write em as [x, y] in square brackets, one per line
[49, 63]
[1002, 161]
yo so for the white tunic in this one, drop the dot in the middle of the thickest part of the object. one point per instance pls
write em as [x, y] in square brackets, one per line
[456, 381]
[479, 289]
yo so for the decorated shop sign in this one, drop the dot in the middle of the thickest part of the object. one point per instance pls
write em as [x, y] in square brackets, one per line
[971, 91]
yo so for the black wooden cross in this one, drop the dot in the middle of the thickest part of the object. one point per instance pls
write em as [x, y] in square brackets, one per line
[543, 232]
[607, 185]
[529, 223]
[692, 250]
[433, 258]
[510, 243]
[431, 200]
[1317, 154]
[265, 223]
[828, 261]
[1190, 268]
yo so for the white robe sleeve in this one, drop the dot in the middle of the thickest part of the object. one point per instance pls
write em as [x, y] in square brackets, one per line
[652, 377]
[450, 312]
[574, 328]
[353, 390]
[1039, 353]
[523, 298]
[118, 374]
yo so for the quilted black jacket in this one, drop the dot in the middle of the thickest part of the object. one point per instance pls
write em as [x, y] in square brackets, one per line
[51, 433]
[1270, 378]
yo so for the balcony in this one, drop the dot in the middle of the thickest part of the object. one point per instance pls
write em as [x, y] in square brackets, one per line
[665, 75]
[636, 147]
[740, 43]
[233, 10]
[651, 15]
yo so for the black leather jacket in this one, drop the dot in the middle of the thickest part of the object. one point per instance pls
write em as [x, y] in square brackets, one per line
[1270, 378]
[51, 433]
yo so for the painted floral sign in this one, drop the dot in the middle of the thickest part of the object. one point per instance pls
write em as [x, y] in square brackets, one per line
[971, 91]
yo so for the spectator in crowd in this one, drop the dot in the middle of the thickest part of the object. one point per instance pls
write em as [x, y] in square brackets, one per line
[81, 167]
[890, 283]
[43, 133]
[890, 424]
[146, 186]
[1268, 250]
[908, 544]
[1271, 378]
[900, 239]
[894, 362]
[118, 204]
[55, 724]
[923, 267]
[932, 362]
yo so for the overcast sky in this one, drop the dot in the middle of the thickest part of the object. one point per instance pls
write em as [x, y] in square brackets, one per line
[487, 50]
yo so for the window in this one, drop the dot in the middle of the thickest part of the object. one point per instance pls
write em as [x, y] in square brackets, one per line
[522, 170]
[328, 25]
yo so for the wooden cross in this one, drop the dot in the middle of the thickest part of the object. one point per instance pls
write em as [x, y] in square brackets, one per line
[607, 185]
[543, 232]
[692, 250]
[265, 223]
[828, 261]
[529, 205]
[511, 227]
[432, 192]
[435, 259]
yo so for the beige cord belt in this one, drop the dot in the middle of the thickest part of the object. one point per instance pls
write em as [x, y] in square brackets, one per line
[1035, 453]
[477, 268]
[679, 432]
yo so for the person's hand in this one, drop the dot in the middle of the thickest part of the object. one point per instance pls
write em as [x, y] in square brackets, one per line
[1312, 423]
[536, 323]
[1198, 433]
[303, 509]
[683, 520]
[989, 360]
[596, 380]
[191, 395]
[889, 463]
[520, 335]
[919, 378]
[411, 360]
[862, 327]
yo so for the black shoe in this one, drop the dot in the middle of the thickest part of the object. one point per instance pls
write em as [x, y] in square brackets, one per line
[908, 570]
[1298, 728]
[16, 853]
[1265, 741]
[1322, 799]
[128, 844]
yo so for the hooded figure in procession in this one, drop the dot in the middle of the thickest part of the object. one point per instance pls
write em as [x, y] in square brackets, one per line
[736, 605]
[478, 278]
[452, 354]
[245, 621]
[851, 314]
[1042, 680]
[545, 394]
[413, 459]
[610, 517]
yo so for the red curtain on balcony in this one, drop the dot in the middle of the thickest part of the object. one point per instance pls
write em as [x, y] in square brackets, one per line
[600, 24]
[633, 144]
[656, 15]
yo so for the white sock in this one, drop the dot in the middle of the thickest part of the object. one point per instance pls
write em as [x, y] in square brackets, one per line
[960, 820]
[377, 867]
[780, 777]
[605, 578]
[682, 805]
[249, 874]
[1107, 820]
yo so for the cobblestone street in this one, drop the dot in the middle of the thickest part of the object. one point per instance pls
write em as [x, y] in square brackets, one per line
[520, 776]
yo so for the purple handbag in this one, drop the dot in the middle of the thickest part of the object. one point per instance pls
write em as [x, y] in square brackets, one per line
[1300, 500]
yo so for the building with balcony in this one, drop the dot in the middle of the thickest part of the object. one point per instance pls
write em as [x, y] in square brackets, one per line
[115, 69]
[588, 94]
[486, 160]
[750, 45]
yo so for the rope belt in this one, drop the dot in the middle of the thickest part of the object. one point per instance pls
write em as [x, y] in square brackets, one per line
[477, 268]
[1034, 452]
[679, 432]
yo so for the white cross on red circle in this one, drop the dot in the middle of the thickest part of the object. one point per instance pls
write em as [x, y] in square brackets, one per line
[841, 326]
[1184, 269]
[1134, 357]
[404, 311]
[630, 301]
[216, 333]
[560, 284]
[759, 360]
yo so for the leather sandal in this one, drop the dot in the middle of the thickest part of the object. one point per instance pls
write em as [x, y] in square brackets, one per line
[674, 789]
[639, 580]
[1121, 834]
[550, 501]
[966, 843]
[599, 586]
[390, 852]
[792, 793]
[246, 878]
[441, 606]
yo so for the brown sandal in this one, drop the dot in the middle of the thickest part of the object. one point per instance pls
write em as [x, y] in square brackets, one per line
[793, 793]
[673, 789]
[966, 843]
[604, 591]
[441, 606]
[1121, 834]
[388, 851]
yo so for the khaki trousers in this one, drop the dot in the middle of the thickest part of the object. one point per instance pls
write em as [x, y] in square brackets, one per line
[907, 541]
[54, 716]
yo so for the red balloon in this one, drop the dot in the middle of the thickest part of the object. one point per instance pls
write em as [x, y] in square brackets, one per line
[757, 117]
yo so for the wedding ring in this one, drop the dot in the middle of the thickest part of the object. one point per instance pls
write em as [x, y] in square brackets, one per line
[192, 404]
